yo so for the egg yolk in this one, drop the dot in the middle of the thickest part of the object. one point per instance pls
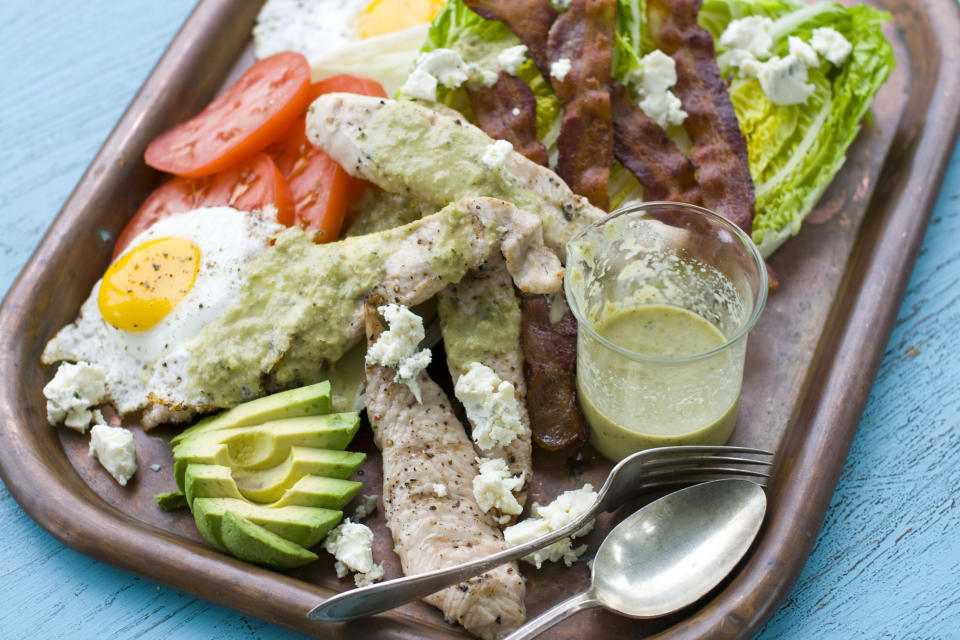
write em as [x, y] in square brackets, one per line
[147, 282]
[387, 16]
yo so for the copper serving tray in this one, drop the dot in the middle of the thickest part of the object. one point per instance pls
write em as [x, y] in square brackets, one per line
[810, 364]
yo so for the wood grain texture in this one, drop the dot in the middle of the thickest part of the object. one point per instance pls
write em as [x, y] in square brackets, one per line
[52, 591]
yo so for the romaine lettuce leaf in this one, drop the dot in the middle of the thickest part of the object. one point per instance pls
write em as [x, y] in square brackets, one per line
[795, 151]
[632, 38]
[478, 41]
[386, 58]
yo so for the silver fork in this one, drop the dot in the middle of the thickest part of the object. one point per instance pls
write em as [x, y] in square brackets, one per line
[645, 470]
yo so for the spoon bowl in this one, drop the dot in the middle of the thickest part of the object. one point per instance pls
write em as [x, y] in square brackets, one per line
[668, 554]
[671, 552]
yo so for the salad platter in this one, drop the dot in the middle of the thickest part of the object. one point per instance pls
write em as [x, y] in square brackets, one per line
[810, 362]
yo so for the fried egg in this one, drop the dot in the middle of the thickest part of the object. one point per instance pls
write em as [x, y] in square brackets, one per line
[316, 28]
[173, 279]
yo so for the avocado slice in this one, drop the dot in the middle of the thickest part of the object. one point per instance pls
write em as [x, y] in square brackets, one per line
[303, 401]
[253, 543]
[264, 446]
[210, 481]
[317, 491]
[304, 526]
[216, 481]
[171, 500]
[267, 485]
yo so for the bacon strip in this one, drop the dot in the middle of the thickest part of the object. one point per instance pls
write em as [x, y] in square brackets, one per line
[508, 111]
[583, 36]
[645, 149]
[639, 142]
[550, 361]
[719, 150]
[530, 20]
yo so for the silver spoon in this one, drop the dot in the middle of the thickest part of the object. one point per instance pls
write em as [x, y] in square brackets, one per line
[668, 554]
[630, 478]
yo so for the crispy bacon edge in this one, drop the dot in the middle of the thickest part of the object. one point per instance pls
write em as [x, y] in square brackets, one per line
[644, 148]
[508, 111]
[640, 144]
[530, 21]
[584, 36]
[549, 367]
[719, 148]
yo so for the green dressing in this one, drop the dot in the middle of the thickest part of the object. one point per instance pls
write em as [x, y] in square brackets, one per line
[482, 329]
[438, 159]
[299, 307]
[658, 402]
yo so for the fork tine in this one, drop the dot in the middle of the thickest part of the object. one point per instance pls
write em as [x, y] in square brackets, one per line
[680, 473]
[703, 449]
[698, 460]
[675, 477]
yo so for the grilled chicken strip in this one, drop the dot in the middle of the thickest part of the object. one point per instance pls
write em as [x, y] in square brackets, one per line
[271, 339]
[472, 312]
[423, 445]
[404, 147]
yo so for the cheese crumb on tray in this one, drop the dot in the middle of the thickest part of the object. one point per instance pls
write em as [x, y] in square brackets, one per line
[114, 448]
[351, 543]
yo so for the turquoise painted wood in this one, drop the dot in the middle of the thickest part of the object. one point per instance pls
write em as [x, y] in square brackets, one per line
[886, 564]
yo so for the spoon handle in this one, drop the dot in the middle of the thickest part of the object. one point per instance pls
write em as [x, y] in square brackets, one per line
[376, 598]
[554, 615]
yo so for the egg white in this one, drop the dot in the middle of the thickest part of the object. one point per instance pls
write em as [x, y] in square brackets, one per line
[312, 27]
[227, 239]
[325, 32]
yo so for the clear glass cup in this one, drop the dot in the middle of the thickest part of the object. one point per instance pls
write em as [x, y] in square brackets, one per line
[665, 294]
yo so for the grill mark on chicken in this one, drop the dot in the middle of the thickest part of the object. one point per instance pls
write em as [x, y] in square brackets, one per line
[424, 444]
[485, 300]
[508, 111]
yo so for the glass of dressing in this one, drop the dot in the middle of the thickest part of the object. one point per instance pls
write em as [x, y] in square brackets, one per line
[665, 294]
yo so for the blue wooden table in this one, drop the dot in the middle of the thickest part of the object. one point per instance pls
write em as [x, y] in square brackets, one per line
[886, 565]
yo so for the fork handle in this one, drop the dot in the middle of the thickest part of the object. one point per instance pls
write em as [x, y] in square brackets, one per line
[554, 615]
[377, 598]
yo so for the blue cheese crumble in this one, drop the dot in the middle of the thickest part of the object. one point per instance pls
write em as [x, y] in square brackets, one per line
[652, 82]
[496, 154]
[491, 404]
[784, 80]
[74, 390]
[351, 543]
[444, 67]
[544, 519]
[397, 347]
[511, 58]
[831, 44]
[560, 69]
[493, 488]
[747, 43]
[114, 448]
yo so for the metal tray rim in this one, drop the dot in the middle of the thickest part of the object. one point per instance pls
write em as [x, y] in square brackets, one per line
[821, 430]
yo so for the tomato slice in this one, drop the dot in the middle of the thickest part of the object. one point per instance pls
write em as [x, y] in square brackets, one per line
[251, 185]
[322, 190]
[246, 187]
[320, 187]
[247, 117]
